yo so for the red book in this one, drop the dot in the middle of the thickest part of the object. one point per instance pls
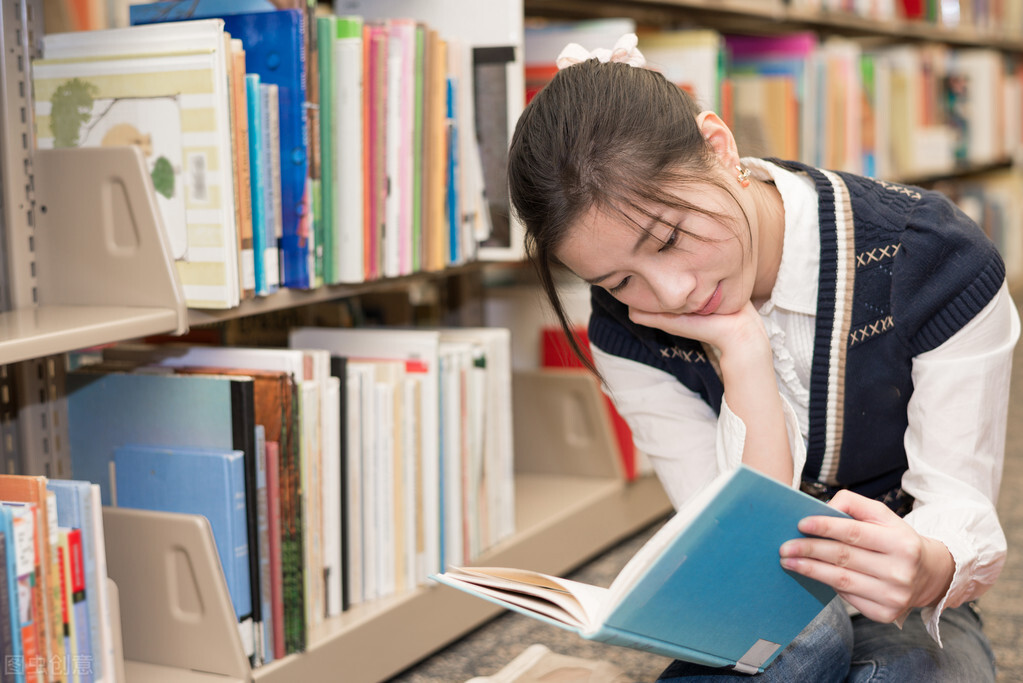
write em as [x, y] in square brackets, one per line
[555, 352]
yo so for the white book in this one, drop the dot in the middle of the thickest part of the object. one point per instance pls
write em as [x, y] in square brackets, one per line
[419, 349]
[165, 89]
[369, 464]
[348, 157]
[333, 517]
[356, 377]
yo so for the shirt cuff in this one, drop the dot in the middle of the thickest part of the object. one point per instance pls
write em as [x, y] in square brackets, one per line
[731, 439]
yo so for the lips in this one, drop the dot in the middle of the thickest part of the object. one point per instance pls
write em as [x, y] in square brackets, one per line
[712, 303]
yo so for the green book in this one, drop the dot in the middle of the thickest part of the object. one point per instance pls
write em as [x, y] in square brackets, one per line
[326, 230]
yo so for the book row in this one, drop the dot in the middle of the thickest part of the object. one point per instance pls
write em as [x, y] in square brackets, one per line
[55, 615]
[1001, 19]
[286, 150]
[346, 468]
[892, 111]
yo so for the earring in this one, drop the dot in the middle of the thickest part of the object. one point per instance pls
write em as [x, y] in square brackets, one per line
[742, 175]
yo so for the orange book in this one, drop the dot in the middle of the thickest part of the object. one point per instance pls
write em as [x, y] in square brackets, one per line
[240, 154]
[32, 489]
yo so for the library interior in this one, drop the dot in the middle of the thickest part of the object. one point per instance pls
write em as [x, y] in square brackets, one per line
[280, 380]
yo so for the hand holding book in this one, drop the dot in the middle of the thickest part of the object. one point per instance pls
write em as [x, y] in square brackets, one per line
[708, 587]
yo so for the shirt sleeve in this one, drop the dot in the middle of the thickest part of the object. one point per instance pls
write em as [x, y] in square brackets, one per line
[955, 445]
[687, 444]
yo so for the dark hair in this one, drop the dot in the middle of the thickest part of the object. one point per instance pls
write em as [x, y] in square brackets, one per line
[604, 135]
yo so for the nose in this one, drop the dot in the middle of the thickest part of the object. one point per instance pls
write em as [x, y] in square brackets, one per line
[672, 289]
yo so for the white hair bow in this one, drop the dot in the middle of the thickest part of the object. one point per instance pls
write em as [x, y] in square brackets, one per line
[624, 51]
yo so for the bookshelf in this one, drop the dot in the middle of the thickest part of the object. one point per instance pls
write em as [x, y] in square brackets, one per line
[87, 264]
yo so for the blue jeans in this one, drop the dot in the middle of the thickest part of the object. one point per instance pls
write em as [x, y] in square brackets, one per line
[835, 647]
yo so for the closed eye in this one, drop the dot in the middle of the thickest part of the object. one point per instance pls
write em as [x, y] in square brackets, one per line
[671, 240]
[620, 286]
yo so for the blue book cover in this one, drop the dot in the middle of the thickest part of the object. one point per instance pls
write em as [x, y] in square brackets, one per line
[708, 587]
[74, 511]
[107, 410]
[262, 238]
[207, 482]
[275, 49]
[12, 622]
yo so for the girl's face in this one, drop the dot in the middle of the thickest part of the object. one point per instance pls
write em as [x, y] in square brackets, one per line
[684, 263]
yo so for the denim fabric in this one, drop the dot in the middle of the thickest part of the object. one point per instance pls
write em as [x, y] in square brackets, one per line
[835, 647]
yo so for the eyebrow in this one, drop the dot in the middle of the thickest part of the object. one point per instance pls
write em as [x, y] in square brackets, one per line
[644, 235]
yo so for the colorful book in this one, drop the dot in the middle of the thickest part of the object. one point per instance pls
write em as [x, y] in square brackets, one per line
[326, 224]
[29, 608]
[74, 511]
[165, 90]
[264, 242]
[207, 482]
[276, 48]
[31, 490]
[706, 588]
[9, 599]
[76, 601]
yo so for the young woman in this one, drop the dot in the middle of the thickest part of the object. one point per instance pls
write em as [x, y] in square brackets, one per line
[845, 335]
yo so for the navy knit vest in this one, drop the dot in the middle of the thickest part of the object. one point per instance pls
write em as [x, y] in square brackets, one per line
[901, 271]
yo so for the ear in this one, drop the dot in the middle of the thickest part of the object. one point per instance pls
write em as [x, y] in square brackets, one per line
[720, 138]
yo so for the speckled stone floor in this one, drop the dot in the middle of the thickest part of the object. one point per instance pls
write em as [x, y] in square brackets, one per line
[489, 648]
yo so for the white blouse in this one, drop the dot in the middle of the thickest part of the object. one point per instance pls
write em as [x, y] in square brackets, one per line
[955, 441]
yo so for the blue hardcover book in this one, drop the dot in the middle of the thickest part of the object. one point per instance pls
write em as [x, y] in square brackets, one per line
[275, 49]
[207, 482]
[708, 587]
[107, 410]
[74, 511]
[9, 600]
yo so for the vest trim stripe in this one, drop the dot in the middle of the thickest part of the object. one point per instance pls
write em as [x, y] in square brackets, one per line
[845, 274]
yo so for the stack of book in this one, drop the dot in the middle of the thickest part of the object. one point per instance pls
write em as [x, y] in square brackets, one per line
[346, 468]
[286, 149]
[56, 618]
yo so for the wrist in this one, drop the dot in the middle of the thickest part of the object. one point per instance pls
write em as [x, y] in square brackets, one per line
[940, 568]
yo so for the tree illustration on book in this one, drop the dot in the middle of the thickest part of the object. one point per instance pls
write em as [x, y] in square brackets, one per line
[81, 117]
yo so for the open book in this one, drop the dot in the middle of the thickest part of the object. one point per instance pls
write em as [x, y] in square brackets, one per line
[708, 587]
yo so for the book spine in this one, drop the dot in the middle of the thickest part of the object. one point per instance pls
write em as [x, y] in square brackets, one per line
[67, 630]
[265, 641]
[348, 152]
[7, 627]
[243, 183]
[326, 30]
[257, 184]
[245, 496]
[25, 557]
[274, 523]
[78, 609]
[292, 566]
[272, 167]
[51, 578]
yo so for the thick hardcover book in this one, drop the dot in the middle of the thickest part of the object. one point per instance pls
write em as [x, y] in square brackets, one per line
[210, 483]
[708, 587]
[275, 48]
[164, 89]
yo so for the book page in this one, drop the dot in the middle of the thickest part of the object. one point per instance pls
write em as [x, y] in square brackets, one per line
[567, 601]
